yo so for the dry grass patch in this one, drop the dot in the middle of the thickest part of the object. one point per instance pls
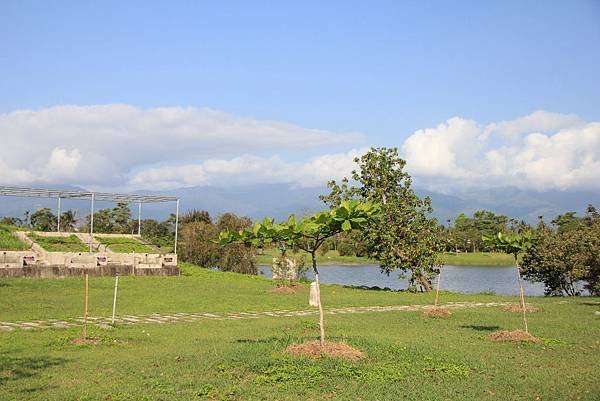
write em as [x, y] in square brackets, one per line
[313, 349]
[437, 311]
[513, 336]
[516, 308]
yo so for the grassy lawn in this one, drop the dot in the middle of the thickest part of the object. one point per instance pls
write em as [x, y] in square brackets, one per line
[334, 258]
[60, 244]
[478, 259]
[125, 245]
[8, 242]
[408, 356]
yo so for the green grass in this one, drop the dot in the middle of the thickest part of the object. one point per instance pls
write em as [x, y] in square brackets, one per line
[408, 356]
[455, 259]
[125, 245]
[68, 243]
[478, 259]
[8, 242]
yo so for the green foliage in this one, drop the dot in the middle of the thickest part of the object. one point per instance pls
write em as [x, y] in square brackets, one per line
[570, 254]
[159, 234]
[68, 243]
[198, 244]
[195, 244]
[68, 221]
[44, 220]
[403, 236]
[113, 221]
[467, 232]
[194, 216]
[307, 234]
[566, 222]
[513, 244]
[9, 242]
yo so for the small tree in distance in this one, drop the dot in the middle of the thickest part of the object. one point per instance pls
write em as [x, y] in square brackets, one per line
[307, 234]
[514, 244]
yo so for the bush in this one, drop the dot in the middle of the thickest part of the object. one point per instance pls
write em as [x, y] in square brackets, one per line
[566, 256]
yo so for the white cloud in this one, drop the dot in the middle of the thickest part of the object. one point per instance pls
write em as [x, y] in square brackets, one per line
[105, 145]
[62, 164]
[124, 147]
[249, 169]
[540, 151]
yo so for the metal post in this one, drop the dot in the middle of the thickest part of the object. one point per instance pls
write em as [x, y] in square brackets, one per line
[176, 225]
[92, 224]
[140, 219]
[58, 217]
[115, 299]
[85, 315]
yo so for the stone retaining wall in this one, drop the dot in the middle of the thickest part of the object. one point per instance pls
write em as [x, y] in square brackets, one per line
[52, 271]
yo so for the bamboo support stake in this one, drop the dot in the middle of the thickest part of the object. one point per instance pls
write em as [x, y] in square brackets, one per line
[522, 298]
[115, 299]
[321, 320]
[85, 316]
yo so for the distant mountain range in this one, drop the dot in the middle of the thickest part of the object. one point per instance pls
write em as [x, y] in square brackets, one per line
[279, 200]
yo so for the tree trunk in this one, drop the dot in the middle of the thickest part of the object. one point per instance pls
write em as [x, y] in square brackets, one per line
[425, 284]
[522, 296]
[321, 322]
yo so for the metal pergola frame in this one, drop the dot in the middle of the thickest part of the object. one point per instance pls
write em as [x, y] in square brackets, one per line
[94, 196]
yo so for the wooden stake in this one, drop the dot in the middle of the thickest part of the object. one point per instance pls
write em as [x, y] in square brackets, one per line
[85, 316]
[437, 289]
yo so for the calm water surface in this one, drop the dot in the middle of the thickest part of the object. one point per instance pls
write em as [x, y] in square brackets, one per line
[467, 279]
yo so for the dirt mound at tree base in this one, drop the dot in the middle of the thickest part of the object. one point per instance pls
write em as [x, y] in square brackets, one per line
[513, 336]
[313, 349]
[529, 308]
[285, 289]
[86, 341]
[437, 311]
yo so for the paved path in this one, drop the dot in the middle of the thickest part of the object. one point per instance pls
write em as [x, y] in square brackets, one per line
[162, 318]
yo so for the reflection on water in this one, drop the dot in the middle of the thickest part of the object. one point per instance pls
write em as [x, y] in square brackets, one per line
[467, 279]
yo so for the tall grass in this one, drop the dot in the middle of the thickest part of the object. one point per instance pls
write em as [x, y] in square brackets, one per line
[8, 241]
[60, 244]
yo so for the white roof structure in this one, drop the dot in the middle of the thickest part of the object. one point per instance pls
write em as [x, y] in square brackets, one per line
[64, 194]
[93, 196]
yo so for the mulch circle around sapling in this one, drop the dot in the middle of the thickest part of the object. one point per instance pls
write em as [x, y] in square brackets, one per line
[513, 336]
[437, 311]
[313, 349]
[516, 308]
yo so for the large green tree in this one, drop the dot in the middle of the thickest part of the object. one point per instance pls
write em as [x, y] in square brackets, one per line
[403, 237]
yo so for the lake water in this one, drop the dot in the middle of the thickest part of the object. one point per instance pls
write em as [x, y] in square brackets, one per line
[466, 279]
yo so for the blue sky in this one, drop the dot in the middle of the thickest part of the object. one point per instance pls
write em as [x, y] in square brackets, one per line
[380, 69]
